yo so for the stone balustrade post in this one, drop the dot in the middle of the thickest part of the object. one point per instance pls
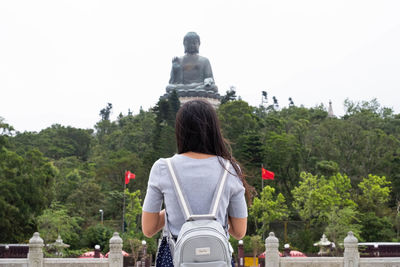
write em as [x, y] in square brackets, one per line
[115, 258]
[351, 256]
[35, 255]
[271, 251]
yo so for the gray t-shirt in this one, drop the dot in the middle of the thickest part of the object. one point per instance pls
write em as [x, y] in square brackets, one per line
[198, 179]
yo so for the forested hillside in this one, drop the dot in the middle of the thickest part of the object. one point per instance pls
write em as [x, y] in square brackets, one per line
[332, 175]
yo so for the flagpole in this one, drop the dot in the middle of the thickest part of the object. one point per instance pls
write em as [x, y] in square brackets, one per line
[123, 207]
[262, 179]
[262, 188]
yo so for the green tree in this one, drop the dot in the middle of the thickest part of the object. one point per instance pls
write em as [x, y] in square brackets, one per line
[375, 228]
[325, 204]
[377, 218]
[134, 134]
[105, 127]
[67, 183]
[26, 188]
[11, 220]
[236, 116]
[229, 96]
[133, 234]
[250, 152]
[88, 192]
[257, 246]
[110, 173]
[106, 112]
[6, 130]
[97, 234]
[57, 142]
[133, 212]
[327, 167]
[375, 191]
[282, 156]
[111, 169]
[164, 142]
[56, 221]
[316, 197]
[266, 209]
[340, 222]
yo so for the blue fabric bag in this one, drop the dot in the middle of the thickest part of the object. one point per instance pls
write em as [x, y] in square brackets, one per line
[164, 257]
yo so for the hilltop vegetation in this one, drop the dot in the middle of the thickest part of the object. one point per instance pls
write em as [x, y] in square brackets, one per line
[332, 175]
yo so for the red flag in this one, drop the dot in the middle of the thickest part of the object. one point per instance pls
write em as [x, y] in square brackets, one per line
[267, 175]
[128, 176]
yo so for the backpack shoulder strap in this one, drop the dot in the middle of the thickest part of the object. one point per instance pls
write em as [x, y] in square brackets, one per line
[219, 190]
[182, 199]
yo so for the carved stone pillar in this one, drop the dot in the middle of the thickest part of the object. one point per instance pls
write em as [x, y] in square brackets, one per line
[35, 255]
[115, 258]
[351, 257]
[271, 251]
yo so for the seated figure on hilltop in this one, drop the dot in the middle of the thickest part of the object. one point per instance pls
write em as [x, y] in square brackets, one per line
[191, 72]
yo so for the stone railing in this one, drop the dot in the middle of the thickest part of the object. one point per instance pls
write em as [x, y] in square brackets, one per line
[351, 257]
[36, 259]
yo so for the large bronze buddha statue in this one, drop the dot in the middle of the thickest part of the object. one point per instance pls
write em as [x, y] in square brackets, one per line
[191, 74]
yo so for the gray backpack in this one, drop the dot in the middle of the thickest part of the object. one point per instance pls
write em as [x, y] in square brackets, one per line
[202, 241]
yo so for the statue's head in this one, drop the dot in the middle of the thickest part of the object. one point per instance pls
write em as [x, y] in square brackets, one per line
[191, 41]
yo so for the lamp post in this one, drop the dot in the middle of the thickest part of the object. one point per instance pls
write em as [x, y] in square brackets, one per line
[97, 251]
[101, 214]
[286, 250]
[7, 252]
[145, 262]
[240, 254]
[376, 250]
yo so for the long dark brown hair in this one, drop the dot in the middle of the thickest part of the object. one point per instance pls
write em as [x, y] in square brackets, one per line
[197, 129]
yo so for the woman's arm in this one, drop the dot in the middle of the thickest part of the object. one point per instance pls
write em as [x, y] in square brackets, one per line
[237, 227]
[152, 222]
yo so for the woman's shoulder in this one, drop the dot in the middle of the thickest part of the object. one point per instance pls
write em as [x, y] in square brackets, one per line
[162, 162]
[235, 180]
[159, 166]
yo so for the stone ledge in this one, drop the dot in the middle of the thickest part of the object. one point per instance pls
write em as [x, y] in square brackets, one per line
[214, 102]
[312, 259]
[75, 260]
[14, 262]
[369, 262]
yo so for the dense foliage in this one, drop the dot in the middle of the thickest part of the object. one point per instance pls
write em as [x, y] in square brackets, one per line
[332, 174]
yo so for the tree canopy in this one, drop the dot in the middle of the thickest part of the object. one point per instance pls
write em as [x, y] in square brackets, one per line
[332, 175]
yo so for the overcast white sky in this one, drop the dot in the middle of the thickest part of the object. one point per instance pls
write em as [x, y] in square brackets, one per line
[63, 61]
